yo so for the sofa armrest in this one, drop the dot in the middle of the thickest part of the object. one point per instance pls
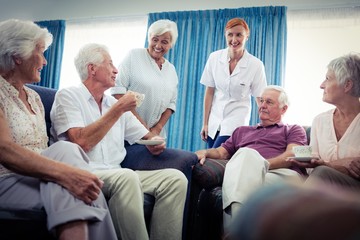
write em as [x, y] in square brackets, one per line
[210, 174]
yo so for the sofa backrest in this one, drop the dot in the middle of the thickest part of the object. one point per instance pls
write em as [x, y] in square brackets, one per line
[308, 131]
[47, 96]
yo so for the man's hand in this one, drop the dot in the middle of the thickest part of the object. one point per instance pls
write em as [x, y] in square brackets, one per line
[127, 102]
[215, 153]
[201, 154]
[157, 149]
[82, 184]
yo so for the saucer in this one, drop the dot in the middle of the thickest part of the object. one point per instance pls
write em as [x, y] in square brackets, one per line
[303, 159]
[149, 142]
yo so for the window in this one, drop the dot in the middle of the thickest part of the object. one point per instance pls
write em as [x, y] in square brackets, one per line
[315, 37]
[118, 34]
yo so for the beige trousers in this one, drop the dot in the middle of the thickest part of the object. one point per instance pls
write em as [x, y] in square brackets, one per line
[125, 190]
[245, 172]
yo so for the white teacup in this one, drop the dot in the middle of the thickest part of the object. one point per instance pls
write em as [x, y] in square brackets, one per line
[302, 151]
[139, 98]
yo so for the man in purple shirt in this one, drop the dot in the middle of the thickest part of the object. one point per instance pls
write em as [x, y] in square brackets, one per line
[257, 153]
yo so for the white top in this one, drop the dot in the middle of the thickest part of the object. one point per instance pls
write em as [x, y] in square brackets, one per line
[140, 73]
[76, 107]
[231, 106]
[324, 142]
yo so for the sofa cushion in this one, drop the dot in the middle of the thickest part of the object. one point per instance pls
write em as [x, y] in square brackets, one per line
[47, 96]
[210, 174]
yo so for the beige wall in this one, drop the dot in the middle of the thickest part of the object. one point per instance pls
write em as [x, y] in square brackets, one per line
[78, 9]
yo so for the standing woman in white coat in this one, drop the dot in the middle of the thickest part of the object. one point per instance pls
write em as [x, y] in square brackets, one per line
[231, 76]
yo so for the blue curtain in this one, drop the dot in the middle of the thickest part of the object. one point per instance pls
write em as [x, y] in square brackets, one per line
[50, 75]
[202, 32]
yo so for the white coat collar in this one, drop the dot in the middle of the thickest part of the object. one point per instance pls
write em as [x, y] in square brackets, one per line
[243, 63]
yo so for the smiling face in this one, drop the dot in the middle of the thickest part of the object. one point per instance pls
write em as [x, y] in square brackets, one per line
[270, 111]
[105, 72]
[236, 38]
[30, 69]
[159, 45]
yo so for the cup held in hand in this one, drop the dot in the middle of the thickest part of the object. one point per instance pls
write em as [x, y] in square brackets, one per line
[139, 98]
[302, 151]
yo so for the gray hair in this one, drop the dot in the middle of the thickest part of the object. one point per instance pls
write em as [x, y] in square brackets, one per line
[91, 53]
[283, 97]
[162, 26]
[19, 38]
[346, 68]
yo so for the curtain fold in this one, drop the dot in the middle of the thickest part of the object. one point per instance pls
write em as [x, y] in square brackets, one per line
[50, 75]
[202, 32]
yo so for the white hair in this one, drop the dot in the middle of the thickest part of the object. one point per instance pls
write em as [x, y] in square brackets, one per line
[19, 38]
[283, 97]
[162, 26]
[347, 67]
[91, 53]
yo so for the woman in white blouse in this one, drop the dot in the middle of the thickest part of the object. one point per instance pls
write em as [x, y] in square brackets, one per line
[146, 71]
[231, 76]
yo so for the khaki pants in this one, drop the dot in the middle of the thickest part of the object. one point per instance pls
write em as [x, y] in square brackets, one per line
[245, 172]
[125, 190]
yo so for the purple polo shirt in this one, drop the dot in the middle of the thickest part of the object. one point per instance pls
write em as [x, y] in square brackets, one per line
[269, 141]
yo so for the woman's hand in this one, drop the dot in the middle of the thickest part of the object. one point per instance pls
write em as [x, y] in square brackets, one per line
[204, 133]
[354, 168]
[82, 184]
[311, 164]
[156, 130]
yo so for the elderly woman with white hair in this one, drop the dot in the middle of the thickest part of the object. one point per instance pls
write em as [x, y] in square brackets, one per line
[34, 176]
[335, 133]
[147, 71]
